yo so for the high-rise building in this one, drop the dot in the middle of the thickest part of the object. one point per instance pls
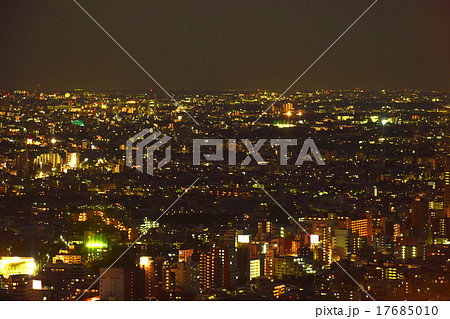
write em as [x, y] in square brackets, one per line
[122, 284]
[185, 255]
[443, 227]
[324, 249]
[363, 227]
[447, 188]
[380, 242]
[265, 227]
[255, 268]
[342, 243]
[112, 284]
[218, 268]
[419, 217]
[155, 277]
[151, 107]
[286, 266]
[185, 274]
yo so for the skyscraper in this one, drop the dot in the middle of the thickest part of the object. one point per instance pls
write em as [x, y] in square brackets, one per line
[419, 217]
[447, 188]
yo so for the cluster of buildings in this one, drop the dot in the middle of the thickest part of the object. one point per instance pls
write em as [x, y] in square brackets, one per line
[372, 222]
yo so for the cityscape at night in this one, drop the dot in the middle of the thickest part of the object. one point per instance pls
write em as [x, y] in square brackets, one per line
[379, 207]
[251, 152]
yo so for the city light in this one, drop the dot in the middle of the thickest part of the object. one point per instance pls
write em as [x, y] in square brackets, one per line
[144, 260]
[37, 284]
[228, 237]
[330, 182]
[17, 266]
[96, 244]
[315, 239]
[243, 238]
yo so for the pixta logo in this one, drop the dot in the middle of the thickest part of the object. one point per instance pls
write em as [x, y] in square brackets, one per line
[308, 153]
[308, 148]
[149, 154]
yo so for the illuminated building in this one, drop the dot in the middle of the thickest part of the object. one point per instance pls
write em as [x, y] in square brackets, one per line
[67, 258]
[230, 239]
[169, 282]
[409, 248]
[62, 280]
[151, 107]
[396, 232]
[315, 239]
[264, 227]
[37, 284]
[147, 225]
[209, 272]
[447, 188]
[324, 250]
[443, 227]
[19, 287]
[218, 268]
[358, 244]
[363, 227]
[380, 242]
[185, 277]
[288, 107]
[342, 243]
[286, 266]
[51, 159]
[279, 290]
[255, 268]
[269, 289]
[72, 160]
[243, 239]
[392, 273]
[96, 245]
[150, 274]
[157, 278]
[184, 255]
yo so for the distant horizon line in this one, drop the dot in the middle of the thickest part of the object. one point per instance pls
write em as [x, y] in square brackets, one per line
[42, 90]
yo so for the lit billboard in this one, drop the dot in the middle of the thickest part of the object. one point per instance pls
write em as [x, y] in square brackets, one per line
[17, 266]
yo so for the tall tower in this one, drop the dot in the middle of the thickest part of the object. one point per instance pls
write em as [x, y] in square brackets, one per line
[323, 251]
[447, 188]
[151, 107]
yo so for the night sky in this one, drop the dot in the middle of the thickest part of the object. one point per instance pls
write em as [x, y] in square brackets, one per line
[220, 45]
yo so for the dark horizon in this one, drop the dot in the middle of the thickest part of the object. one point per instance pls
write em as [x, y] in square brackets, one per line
[224, 46]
